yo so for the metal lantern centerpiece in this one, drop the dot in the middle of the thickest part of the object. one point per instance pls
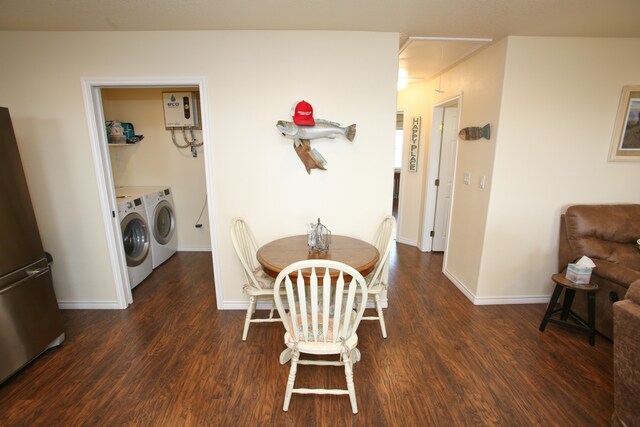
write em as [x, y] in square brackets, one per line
[318, 237]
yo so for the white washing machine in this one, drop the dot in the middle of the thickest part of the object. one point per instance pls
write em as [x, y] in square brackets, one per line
[162, 220]
[136, 238]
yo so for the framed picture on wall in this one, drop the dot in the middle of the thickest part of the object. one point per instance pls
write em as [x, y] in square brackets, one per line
[625, 144]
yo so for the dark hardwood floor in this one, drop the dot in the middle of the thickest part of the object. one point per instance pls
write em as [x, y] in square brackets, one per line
[173, 359]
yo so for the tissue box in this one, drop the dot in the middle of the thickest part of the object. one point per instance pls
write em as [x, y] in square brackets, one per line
[577, 274]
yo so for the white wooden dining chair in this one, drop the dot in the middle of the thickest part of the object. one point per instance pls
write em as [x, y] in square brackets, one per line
[320, 319]
[378, 280]
[258, 285]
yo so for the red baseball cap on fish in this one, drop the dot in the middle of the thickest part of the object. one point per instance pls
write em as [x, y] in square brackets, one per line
[303, 114]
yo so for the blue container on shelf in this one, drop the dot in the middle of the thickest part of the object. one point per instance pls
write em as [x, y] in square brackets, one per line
[127, 130]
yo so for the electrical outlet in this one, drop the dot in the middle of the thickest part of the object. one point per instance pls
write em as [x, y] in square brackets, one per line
[481, 181]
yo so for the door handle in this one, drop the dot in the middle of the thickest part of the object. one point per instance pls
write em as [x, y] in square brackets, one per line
[37, 271]
[30, 275]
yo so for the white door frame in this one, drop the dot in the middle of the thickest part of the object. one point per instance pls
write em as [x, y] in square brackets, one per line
[102, 163]
[429, 207]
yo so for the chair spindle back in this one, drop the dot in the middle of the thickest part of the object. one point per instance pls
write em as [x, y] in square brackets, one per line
[320, 306]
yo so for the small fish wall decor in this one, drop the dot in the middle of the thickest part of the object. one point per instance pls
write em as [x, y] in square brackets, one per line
[475, 133]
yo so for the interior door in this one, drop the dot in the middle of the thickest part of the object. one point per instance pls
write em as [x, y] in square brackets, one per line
[449, 139]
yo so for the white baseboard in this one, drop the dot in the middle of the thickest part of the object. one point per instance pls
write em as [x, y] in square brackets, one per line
[89, 305]
[194, 249]
[241, 305]
[535, 299]
[541, 299]
[407, 241]
[458, 284]
[424, 249]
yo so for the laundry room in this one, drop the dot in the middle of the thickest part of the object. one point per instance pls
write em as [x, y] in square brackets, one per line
[156, 152]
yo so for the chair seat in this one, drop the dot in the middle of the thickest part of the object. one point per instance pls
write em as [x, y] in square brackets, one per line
[252, 290]
[321, 347]
[376, 289]
[321, 334]
[264, 280]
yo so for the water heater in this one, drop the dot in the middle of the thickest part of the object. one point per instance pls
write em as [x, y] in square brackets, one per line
[180, 109]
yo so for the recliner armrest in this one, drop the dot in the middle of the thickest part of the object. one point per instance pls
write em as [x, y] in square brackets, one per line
[626, 348]
[633, 293]
[614, 272]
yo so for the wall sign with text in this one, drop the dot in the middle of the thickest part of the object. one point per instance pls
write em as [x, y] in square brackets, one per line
[415, 144]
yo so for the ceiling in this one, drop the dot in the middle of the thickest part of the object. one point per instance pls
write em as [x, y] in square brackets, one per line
[487, 19]
[425, 59]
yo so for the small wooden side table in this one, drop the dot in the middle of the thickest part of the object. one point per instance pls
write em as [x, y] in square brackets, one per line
[570, 288]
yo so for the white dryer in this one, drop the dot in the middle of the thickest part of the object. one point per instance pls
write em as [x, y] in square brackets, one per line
[136, 238]
[162, 220]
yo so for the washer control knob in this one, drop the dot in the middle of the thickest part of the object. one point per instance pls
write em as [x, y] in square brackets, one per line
[129, 205]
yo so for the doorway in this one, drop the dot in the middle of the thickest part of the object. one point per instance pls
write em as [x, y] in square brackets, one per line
[440, 179]
[397, 162]
[93, 90]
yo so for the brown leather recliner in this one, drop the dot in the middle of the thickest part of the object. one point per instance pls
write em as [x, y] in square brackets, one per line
[607, 234]
[626, 358]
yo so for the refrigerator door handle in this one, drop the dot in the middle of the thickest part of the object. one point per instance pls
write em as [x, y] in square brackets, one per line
[30, 275]
[37, 271]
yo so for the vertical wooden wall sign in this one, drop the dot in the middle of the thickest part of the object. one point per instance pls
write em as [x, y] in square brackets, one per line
[415, 144]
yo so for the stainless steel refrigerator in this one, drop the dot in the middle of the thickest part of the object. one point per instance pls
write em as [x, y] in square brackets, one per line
[30, 320]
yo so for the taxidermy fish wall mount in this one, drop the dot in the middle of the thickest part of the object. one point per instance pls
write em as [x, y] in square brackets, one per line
[302, 136]
[475, 133]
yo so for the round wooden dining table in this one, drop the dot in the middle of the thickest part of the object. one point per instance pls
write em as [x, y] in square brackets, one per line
[276, 255]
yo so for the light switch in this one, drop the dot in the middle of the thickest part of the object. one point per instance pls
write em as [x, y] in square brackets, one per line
[466, 178]
[481, 182]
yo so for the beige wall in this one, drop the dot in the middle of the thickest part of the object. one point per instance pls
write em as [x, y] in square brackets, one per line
[551, 103]
[417, 101]
[479, 80]
[156, 161]
[252, 78]
[559, 104]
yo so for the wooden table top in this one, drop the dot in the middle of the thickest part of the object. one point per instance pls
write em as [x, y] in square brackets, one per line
[276, 255]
